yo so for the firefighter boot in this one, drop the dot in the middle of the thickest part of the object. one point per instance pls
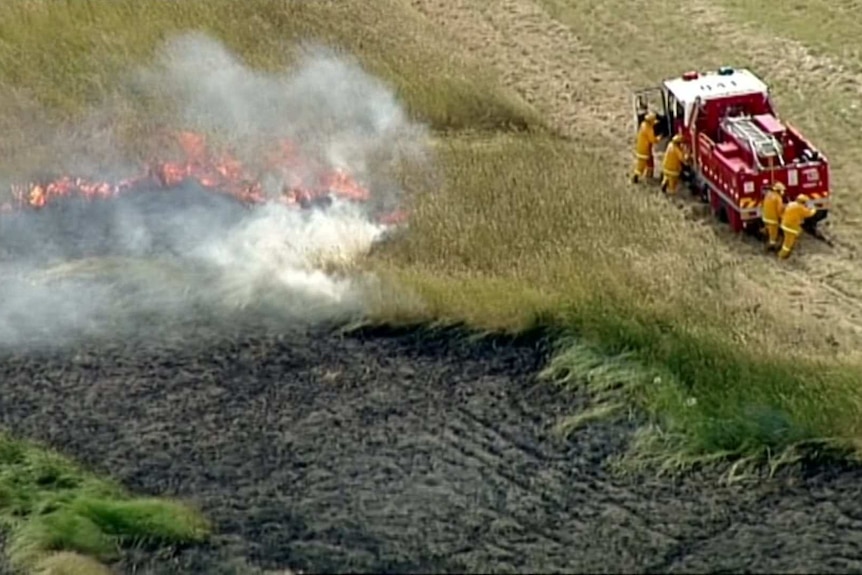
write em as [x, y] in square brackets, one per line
[788, 245]
[773, 235]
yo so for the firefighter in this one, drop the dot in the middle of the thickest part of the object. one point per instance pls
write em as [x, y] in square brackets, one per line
[794, 214]
[646, 139]
[771, 212]
[674, 158]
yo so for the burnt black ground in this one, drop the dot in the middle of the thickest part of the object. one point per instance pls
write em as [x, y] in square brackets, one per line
[398, 453]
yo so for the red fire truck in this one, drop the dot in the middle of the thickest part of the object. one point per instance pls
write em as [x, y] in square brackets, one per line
[738, 144]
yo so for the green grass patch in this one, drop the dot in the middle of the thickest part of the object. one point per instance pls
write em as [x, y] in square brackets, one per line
[705, 397]
[49, 504]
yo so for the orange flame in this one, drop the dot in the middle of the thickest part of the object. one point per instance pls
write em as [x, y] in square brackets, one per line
[222, 173]
[37, 197]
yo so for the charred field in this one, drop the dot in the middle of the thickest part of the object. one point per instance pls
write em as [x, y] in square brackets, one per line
[391, 451]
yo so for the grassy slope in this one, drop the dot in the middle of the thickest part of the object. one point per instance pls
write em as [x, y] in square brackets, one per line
[605, 262]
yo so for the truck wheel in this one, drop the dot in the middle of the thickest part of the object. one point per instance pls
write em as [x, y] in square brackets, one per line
[704, 193]
[717, 206]
[735, 219]
[753, 229]
[810, 225]
[699, 189]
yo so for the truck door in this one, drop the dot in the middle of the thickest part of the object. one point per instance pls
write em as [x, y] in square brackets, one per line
[652, 100]
[695, 140]
[675, 114]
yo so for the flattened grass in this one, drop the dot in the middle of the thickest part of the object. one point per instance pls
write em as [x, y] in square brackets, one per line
[784, 45]
[49, 504]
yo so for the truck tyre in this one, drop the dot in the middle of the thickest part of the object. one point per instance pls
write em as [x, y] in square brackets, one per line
[717, 205]
[699, 188]
[734, 219]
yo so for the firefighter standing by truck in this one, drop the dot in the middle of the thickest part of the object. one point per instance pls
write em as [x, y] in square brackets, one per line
[794, 215]
[675, 157]
[646, 139]
[772, 211]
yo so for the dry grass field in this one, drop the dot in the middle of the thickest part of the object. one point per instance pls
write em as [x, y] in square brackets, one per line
[531, 221]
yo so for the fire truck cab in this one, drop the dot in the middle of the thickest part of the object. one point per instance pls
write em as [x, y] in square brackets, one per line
[738, 145]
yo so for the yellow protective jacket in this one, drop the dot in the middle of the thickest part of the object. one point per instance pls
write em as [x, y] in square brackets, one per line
[646, 140]
[773, 208]
[794, 214]
[674, 158]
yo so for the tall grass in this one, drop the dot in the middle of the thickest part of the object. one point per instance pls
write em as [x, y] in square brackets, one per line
[64, 58]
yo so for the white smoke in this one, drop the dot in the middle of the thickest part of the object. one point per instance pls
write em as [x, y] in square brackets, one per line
[152, 259]
[328, 105]
[286, 248]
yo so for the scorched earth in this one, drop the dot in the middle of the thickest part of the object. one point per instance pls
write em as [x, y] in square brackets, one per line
[397, 453]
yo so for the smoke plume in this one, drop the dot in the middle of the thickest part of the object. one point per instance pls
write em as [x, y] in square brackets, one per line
[133, 263]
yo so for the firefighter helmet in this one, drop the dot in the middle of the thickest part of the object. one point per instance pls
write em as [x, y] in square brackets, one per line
[802, 199]
[779, 187]
[677, 138]
[651, 117]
